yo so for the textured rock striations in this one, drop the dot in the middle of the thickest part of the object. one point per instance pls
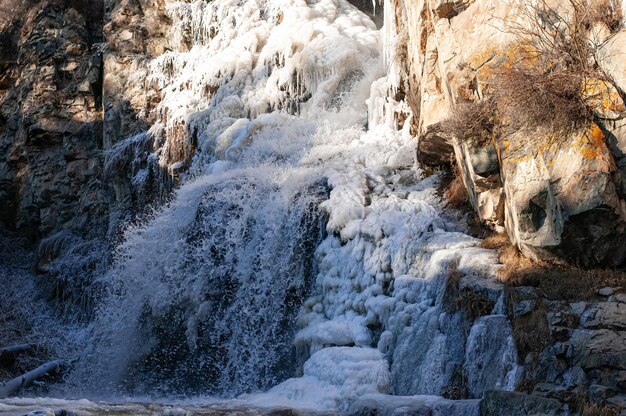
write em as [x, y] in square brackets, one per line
[50, 130]
[556, 194]
[559, 196]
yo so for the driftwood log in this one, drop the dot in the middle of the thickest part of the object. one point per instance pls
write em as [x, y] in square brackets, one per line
[12, 351]
[13, 386]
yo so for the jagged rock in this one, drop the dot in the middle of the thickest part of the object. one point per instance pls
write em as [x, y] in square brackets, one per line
[561, 199]
[50, 139]
[607, 291]
[524, 308]
[434, 147]
[600, 348]
[608, 315]
[497, 403]
[484, 185]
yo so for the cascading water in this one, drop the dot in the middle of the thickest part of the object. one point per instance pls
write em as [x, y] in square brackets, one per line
[297, 245]
[204, 297]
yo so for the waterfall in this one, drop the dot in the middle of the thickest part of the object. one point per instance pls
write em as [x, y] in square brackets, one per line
[303, 259]
[204, 298]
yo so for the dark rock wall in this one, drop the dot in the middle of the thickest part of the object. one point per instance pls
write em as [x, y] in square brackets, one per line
[50, 129]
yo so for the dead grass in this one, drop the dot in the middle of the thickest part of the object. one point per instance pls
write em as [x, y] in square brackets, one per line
[531, 331]
[456, 194]
[596, 410]
[555, 281]
[496, 241]
[471, 303]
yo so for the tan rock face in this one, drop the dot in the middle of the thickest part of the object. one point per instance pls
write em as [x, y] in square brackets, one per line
[563, 200]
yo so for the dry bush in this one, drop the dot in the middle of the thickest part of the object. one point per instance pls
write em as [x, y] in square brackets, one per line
[564, 283]
[542, 84]
[555, 60]
[513, 263]
[531, 331]
[12, 13]
[456, 194]
[496, 241]
[555, 281]
[608, 12]
[473, 304]
[533, 97]
[473, 121]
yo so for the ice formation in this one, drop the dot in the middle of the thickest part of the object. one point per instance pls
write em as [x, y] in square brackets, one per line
[298, 242]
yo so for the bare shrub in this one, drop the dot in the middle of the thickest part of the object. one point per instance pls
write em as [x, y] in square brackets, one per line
[456, 194]
[496, 241]
[531, 332]
[547, 76]
[555, 281]
[532, 97]
[473, 121]
[471, 303]
[608, 12]
[555, 63]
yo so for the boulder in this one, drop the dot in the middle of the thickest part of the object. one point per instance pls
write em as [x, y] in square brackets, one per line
[434, 147]
[561, 198]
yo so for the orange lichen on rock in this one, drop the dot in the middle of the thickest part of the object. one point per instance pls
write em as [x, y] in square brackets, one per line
[601, 96]
[591, 144]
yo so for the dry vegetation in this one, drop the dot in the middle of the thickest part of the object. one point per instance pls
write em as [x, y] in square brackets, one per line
[471, 303]
[473, 122]
[456, 194]
[596, 410]
[555, 281]
[543, 82]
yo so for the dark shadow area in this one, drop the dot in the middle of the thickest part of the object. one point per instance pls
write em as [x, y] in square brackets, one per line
[374, 12]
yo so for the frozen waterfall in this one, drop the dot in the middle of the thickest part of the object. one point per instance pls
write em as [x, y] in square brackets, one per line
[304, 259]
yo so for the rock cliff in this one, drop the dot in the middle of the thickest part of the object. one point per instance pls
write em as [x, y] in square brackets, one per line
[50, 127]
[558, 192]
[555, 190]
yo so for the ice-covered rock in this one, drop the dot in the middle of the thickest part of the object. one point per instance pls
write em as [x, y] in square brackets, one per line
[333, 379]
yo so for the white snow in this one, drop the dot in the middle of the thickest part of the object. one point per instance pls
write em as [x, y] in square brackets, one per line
[234, 60]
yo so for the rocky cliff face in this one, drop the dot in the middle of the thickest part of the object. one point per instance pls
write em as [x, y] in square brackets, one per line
[50, 128]
[558, 194]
